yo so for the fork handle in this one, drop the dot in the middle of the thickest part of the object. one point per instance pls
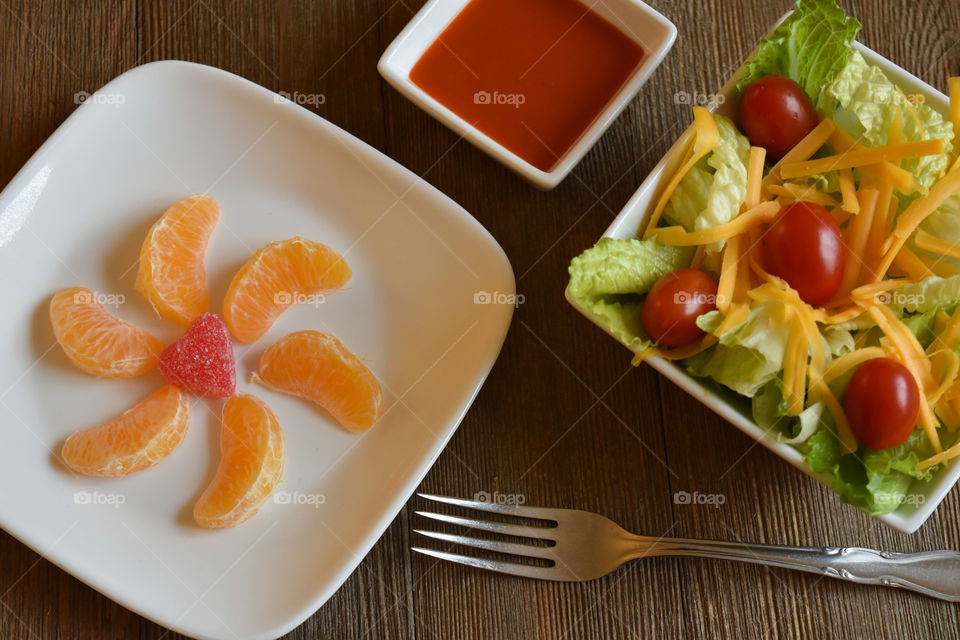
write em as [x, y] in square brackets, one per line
[932, 573]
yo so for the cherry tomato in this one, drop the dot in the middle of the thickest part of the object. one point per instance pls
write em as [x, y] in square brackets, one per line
[776, 113]
[803, 245]
[675, 302]
[882, 403]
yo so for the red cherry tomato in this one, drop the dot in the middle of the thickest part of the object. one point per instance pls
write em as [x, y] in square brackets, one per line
[882, 403]
[803, 245]
[675, 302]
[776, 113]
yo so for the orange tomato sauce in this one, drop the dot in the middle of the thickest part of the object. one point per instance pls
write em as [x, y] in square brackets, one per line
[531, 74]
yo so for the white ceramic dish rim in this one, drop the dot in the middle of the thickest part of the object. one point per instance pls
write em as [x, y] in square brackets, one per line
[423, 29]
[633, 218]
[415, 475]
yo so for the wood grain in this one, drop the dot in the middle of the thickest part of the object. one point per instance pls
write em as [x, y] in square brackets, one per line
[563, 419]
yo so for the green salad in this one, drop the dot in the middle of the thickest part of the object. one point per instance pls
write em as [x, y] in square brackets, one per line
[805, 255]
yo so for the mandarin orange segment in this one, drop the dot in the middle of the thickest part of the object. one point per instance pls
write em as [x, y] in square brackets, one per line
[251, 464]
[171, 274]
[141, 437]
[318, 367]
[97, 341]
[277, 276]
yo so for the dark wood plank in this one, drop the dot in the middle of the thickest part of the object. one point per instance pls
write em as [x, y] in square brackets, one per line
[563, 419]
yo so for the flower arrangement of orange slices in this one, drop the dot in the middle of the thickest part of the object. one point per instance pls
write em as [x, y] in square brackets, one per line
[171, 276]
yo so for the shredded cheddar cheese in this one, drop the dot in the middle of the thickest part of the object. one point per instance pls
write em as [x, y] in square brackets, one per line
[862, 157]
[848, 191]
[886, 172]
[680, 237]
[948, 415]
[848, 361]
[915, 268]
[847, 315]
[677, 353]
[949, 337]
[857, 236]
[755, 176]
[794, 367]
[904, 343]
[913, 215]
[728, 274]
[803, 150]
[943, 456]
[880, 229]
[705, 137]
[736, 314]
[950, 362]
[698, 257]
[793, 191]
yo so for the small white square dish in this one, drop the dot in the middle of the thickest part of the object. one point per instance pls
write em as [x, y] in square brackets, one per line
[633, 18]
[632, 220]
[77, 213]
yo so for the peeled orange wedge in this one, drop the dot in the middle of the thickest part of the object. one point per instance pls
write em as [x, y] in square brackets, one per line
[251, 464]
[171, 274]
[318, 367]
[277, 276]
[97, 341]
[140, 438]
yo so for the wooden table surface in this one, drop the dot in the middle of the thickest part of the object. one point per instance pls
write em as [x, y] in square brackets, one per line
[563, 419]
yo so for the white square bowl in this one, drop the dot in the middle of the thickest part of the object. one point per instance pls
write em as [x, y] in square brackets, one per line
[634, 18]
[632, 220]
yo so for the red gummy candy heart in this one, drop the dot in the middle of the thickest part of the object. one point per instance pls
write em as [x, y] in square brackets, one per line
[201, 361]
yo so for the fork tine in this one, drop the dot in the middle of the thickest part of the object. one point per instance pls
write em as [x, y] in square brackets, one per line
[536, 513]
[517, 549]
[519, 530]
[522, 570]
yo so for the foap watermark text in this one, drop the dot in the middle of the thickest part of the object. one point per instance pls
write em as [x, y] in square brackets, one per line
[497, 297]
[95, 297]
[98, 498]
[297, 498]
[500, 498]
[697, 498]
[296, 297]
[499, 99]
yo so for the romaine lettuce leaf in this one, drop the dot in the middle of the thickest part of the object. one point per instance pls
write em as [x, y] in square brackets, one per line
[902, 458]
[930, 294]
[713, 190]
[609, 279]
[922, 326]
[770, 413]
[839, 340]
[876, 481]
[944, 223]
[750, 355]
[622, 319]
[623, 266]
[810, 47]
[863, 101]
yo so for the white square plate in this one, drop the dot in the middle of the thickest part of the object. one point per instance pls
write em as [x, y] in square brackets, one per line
[728, 405]
[636, 19]
[76, 215]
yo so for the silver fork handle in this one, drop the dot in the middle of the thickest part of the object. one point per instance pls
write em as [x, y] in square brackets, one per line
[932, 573]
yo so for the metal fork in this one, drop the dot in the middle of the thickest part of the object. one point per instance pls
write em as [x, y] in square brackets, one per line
[579, 545]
